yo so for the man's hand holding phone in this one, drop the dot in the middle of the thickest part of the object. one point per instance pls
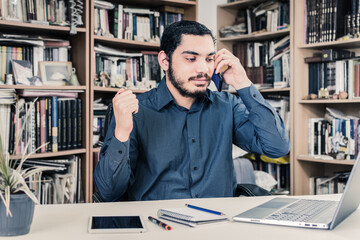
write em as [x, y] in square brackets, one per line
[234, 74]
[125, 104]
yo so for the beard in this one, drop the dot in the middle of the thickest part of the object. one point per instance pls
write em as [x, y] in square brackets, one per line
[179, 85]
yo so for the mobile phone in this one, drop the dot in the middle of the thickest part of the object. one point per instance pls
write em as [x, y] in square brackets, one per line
[116, 224]
[217, 78]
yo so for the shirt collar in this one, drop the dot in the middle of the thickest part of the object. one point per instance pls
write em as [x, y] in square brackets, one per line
[164, 96]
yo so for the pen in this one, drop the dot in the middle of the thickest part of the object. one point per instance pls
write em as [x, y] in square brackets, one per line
[204, 209]
[161, 224]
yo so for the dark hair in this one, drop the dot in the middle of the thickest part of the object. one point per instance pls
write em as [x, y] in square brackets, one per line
[171, 37]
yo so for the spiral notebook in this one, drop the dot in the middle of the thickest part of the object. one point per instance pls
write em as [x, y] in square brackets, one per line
[189, 216]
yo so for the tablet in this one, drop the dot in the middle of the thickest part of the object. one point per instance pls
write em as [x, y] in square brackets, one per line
[116, 224]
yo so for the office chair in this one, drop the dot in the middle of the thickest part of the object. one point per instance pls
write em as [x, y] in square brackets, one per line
[244, 172]
[245, 178]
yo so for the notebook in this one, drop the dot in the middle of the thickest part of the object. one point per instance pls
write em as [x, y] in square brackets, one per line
[189, 216]
[308, 213]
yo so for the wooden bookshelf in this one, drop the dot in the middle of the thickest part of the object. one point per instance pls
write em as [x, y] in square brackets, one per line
[80, 60]
[305, 166]
[226, 15]
[190, 8]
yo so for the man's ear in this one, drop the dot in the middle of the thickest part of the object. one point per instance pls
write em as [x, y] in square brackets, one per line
[163, 60]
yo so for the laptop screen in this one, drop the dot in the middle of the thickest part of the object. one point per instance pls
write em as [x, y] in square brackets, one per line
[350, 199]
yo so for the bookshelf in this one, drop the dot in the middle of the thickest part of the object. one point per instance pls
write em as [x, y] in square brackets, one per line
[80, 60]
[127, 45]
[227, 15]
[305, 166]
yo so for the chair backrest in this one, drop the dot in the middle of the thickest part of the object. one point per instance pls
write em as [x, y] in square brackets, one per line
[244, 171]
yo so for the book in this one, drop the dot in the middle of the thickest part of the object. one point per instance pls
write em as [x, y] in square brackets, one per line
[189, 216]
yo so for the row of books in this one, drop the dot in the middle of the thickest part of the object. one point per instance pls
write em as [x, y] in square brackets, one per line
[32, 55]
[269, 16]
[54, 12]
[99, 128]
[336, 76]
[33, 51]
[281, 104]
[328, 185]
[279, 169]
[325, 19]
[334, 136]
[60, 185]
[134, 70]
[48, 124]
[140, 24]
[267, 63]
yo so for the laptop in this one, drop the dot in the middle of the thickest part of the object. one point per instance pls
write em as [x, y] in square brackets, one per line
[308, 213]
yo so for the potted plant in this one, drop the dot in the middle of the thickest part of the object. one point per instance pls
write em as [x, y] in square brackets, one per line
[17, 205]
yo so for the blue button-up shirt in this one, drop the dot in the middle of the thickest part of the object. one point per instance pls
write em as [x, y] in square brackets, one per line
[174, 152]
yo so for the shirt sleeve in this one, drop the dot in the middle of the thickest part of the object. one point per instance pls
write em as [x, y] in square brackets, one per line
[258, 128]
[113, 171]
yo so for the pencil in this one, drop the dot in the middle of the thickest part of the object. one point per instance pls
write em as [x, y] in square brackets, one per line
[204, 209]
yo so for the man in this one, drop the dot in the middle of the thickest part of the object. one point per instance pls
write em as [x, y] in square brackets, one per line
[175, 141]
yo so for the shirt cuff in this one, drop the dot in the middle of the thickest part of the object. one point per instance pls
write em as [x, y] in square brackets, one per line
[251, 97]
[118, 150]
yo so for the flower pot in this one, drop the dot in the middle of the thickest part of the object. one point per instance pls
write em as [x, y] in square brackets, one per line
[22, 209]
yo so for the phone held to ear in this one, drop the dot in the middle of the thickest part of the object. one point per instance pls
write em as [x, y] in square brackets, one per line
[218, 78]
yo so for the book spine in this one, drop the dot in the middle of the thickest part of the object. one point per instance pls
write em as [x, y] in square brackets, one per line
[43, 125]
[49, 124]
[69, 125]
[64, 136]
[54, 132]
[79, 123]
[74, 123]
[60, 125]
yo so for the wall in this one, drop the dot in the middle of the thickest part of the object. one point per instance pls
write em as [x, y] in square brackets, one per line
[207, 13]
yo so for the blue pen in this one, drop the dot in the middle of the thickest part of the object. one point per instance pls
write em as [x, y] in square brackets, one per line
[204, 209]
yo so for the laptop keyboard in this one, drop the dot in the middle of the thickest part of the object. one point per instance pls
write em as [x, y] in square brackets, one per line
[301, 211]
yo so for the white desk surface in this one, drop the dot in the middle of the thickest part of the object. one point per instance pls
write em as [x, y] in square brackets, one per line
[71, 222]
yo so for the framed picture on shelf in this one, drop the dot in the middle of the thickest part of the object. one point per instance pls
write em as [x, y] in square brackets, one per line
[23, 75]
[55, 73]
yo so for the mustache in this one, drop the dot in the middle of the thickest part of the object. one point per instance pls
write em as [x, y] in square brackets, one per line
[200, 75]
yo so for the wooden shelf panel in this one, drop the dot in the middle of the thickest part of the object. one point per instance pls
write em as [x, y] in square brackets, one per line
[240, 4]
[14, 25]
[116, 42]
[257, 36]
[275, 90]
[329, 101]
[351, 43]
[53, 154]
[44, 87]
[319, 160]
[107, 89]
[266, 90]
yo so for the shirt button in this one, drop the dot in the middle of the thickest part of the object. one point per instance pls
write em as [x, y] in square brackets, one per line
[120, 151]
[193, 140]
[196, 195]
[254, 95]
[195, 168]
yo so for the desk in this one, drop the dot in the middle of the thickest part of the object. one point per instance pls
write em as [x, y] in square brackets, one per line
[70, 222]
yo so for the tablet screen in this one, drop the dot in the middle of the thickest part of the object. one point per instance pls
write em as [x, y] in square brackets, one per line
[116, 224]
